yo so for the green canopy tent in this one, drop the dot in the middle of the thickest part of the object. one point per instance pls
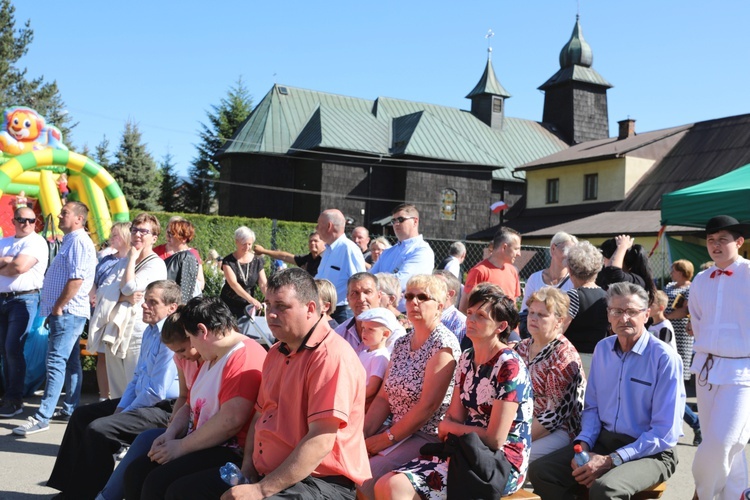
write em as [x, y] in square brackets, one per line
[728, 194]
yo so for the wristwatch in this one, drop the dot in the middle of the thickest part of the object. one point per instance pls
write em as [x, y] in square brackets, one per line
[392, 438]
[616, 459]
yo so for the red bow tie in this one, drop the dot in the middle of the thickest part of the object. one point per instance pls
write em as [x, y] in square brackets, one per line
[719, 272]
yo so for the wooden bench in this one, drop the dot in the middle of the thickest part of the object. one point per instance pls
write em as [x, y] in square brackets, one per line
[83, 343]
[523, 494]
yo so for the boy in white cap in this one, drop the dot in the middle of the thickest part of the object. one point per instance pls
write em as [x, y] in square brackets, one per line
[378, 324]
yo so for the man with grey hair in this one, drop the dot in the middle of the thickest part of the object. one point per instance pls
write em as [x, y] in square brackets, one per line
[341, 259]
[456, 257]
[363, 293]
[632, 415]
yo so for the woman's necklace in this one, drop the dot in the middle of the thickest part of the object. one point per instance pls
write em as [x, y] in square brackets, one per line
[246, 272]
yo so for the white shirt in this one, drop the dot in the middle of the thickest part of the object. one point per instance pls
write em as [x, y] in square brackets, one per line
[32, 245]
[656, 329]
[375, 362]
[536, 282]
[720, 317]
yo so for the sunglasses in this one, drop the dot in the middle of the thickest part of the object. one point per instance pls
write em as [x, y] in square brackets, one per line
[400, 220]
[140, 230]
[22, 220]
[421, 297]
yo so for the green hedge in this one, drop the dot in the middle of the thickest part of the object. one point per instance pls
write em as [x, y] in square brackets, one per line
[217, 232]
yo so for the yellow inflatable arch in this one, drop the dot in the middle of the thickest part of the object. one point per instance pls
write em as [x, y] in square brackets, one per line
[93, 184]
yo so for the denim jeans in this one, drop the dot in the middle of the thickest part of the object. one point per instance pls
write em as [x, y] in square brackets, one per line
[691, 418]
[115, 488]
[63, 365]
[16, 316]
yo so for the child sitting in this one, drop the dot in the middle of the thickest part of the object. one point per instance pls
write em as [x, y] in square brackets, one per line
[328, 298]
[377, 326]
[661, 328]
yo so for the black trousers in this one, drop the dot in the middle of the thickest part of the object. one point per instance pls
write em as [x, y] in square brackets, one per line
[84, 461]
[196, 476]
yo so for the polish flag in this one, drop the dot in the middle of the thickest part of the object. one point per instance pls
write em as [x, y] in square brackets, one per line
[498, 207]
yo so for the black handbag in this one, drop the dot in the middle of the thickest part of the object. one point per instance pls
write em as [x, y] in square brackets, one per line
[474, 470]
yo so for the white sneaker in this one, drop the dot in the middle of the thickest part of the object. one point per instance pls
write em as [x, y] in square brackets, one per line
[32, 426]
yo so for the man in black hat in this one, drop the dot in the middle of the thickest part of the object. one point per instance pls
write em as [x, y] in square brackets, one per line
[720, 318]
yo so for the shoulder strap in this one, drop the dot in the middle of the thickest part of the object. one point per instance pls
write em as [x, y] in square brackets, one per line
[142, 263]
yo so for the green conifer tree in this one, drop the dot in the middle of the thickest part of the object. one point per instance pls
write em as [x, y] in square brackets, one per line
[170, 185]
[223, 122]
[136, 172]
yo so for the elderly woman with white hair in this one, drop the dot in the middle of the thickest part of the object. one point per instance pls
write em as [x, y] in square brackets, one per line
[555, 275]
[243, 271]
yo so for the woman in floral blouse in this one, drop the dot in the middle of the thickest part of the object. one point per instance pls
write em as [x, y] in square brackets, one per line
[556, 373]
[493, 399]
[418, 383]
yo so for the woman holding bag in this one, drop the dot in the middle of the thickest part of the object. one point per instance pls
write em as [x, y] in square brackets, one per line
[492, 398]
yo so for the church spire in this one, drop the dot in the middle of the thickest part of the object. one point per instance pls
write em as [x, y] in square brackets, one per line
[488, 95]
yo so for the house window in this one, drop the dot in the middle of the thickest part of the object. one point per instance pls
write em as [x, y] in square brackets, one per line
[497, 105]
[591, 186]
[448, 199]
[553, 190]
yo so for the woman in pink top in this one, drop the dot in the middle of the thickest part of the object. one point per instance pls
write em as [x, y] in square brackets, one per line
[210, 429]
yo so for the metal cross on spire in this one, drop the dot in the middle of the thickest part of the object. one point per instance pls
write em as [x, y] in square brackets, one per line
[489, 36]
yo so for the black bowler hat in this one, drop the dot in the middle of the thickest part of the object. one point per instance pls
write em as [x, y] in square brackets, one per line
[726, 223]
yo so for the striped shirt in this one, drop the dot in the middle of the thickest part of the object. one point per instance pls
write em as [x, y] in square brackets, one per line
[76, 260]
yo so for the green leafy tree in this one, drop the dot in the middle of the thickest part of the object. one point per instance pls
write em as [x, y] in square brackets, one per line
[223, 122]
[135, 171]
[18, 90]
[170, 185]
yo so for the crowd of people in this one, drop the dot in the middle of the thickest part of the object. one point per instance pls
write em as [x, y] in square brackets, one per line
[389, 378]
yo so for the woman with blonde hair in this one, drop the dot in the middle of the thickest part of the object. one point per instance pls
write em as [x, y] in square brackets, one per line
[556, 373]
[418, 383]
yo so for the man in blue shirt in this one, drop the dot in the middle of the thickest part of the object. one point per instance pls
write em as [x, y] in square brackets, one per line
[411, 255]
[341, 259]
[632, 415]
[96, 431]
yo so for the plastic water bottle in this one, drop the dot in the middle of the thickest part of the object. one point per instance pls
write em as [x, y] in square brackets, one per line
[582, 457]
[232, 475]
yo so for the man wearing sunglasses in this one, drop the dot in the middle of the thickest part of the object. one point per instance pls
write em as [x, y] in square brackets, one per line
[23, 259]
[65, 302]
[411, 255]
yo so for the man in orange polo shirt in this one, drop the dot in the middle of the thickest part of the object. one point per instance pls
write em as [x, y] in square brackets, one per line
[306, 437]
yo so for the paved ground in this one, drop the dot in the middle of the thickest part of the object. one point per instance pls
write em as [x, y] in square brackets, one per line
[27, 462]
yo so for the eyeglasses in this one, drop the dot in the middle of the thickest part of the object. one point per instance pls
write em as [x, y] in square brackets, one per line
[140, 230]
[421, 297]
[400, 220]
[170, 233]
[24, 220]
[630, 313]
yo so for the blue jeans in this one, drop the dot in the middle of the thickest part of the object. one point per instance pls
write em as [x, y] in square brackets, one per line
[115, 488]
[63, 365]
[16, 316]
[691, 418]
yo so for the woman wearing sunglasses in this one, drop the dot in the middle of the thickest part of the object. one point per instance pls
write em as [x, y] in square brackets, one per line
[418, 383]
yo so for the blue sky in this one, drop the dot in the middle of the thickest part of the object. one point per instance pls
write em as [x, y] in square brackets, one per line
[163, 63]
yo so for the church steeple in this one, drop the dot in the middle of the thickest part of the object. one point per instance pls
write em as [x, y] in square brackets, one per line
[575, 99]
[488, 96]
